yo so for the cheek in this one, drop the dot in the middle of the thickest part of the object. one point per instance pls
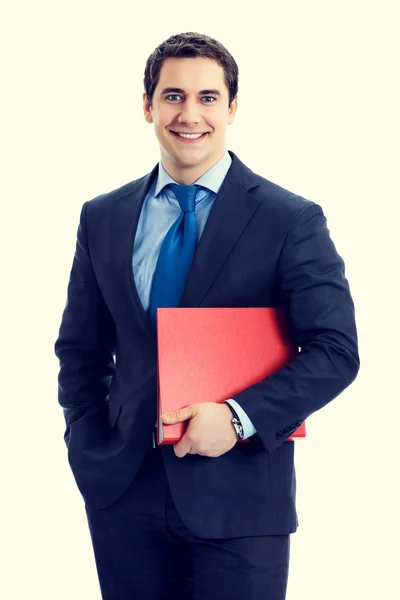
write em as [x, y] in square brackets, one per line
[167, 116]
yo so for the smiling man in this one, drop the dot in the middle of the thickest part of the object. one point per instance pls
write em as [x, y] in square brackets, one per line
[191, 118]
[206, 518]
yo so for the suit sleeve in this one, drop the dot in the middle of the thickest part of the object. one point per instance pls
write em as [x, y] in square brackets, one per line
[314, 289]
[86, 343]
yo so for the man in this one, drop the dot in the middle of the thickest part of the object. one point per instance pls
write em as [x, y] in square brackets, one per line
[208, 517]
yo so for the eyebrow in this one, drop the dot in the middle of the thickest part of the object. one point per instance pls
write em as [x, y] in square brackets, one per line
[171, 90]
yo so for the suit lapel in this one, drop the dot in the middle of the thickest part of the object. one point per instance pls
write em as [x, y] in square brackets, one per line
[124, 223]
[232, 210]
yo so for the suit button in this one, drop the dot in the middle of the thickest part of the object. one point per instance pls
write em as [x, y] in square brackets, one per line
[279, 435]
[286, 431]
[298, 423]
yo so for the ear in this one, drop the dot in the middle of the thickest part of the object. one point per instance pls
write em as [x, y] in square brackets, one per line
[232, 110]
[147, 109]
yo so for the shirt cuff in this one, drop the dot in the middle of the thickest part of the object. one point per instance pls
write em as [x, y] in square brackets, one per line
[248, 427]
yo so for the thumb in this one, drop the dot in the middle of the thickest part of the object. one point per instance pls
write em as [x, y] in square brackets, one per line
[177, 416]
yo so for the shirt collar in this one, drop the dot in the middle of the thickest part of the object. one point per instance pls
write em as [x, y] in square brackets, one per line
[212, 179]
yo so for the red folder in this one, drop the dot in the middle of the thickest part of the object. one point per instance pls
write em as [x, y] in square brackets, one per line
[210, 354]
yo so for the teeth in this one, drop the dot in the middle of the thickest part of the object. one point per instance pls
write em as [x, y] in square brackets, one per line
[190, 136]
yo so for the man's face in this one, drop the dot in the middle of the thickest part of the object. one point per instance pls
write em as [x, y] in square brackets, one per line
[191, 106]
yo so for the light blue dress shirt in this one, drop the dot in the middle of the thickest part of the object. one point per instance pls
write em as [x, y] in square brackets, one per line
[160, 210]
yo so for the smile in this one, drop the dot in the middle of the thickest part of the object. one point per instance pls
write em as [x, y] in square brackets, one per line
[190, 138]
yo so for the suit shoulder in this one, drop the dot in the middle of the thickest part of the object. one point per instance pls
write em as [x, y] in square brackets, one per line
[103, 201]
[277, 197]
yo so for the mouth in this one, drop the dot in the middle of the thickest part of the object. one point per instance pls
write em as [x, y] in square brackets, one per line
[188, 140]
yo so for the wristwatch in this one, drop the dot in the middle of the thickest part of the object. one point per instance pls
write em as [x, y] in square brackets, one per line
[236, 423]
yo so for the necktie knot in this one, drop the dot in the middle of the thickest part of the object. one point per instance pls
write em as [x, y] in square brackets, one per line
[185, 194]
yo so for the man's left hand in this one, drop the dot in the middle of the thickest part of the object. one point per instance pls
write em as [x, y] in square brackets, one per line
[210, 431]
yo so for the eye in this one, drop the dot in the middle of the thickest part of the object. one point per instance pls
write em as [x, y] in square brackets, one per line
[178, 96]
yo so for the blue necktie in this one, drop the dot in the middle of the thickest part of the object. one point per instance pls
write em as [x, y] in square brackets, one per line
[176, 254]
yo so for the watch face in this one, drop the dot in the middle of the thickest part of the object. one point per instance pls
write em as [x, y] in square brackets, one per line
[239, 428]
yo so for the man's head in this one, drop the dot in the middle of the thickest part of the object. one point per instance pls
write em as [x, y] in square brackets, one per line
[191, 84]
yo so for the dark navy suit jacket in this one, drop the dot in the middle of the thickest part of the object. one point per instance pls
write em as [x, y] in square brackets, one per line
[262, 246]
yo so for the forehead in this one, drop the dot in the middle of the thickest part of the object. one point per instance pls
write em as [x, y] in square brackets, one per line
[192, 74]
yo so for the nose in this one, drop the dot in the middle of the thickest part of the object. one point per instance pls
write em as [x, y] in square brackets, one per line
[190, 112]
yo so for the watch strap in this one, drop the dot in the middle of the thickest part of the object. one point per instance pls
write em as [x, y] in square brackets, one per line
[236, 422]
[232, 410]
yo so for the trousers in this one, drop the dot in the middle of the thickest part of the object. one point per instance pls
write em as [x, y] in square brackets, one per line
[143, 550]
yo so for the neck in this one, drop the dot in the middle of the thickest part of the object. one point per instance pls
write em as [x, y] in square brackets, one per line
[188, 174]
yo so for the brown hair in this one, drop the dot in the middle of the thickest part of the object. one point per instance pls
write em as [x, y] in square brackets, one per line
[189, 45]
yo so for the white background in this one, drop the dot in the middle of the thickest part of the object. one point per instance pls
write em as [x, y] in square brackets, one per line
[317, 114]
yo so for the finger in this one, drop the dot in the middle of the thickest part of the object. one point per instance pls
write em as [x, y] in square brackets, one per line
[182, 414]
[182, 448]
